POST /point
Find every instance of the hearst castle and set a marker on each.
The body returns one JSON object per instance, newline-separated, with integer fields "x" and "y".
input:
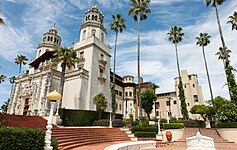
{"x": 90, "y": 76}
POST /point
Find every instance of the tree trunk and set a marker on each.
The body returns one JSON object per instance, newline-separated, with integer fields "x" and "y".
{"x": 62, "y": 80}
{"x": 226, "y": 61}
{"x": 20, "y": 69}
{"x": 115, "y": 44}
{"x": 138, "y": 67}
{"x": 148, "y": 116}
{"x": 208, "y": 77}
{"x": 177, "y": 59}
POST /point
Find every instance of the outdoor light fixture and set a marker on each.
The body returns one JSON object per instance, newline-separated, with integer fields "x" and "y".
{"x": 52, "y": 97}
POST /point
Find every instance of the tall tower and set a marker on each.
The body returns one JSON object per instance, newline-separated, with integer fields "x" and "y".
{"x": 92, "y": 74}
{"x": 51, "y": 41}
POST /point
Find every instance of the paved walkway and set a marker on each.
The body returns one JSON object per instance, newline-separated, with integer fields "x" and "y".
{"x": 98, "y": 146}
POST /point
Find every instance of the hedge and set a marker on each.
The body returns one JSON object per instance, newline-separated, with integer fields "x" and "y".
{"x": 173, "y": 125}
{"x": 105, "y": 122}
{"x": 226, "y": 125}
{"x": 144, "y": 129}
{"x": 21, "y": 139}
{"x": 54, "y": 143}
{"x": 194, "y": 123}
{"x": 145, "y": 134}
{"x": 82, "y": 117}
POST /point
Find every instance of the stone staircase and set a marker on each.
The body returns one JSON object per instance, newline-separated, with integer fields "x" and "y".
{"x": 72, "y": 138}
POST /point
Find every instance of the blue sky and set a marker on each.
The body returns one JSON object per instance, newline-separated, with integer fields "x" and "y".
{"x": 28, "y": 20}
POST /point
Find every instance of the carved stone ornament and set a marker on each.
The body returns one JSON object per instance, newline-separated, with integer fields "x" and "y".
{"x": 200, "y": 142}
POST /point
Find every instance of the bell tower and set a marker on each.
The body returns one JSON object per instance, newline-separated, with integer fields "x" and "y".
{"x": 93, "y": 25}
{"x": 51, "y": 42}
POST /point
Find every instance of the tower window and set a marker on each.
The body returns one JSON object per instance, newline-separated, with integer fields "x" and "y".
{"x": 81, "y": 54}
{"x": 51, "y": 39}
{"x": 93, "y": 32}
{"x": 175, "y": 102}
{"x": 102, "y": 37}
{"x": 167, "y": 103}
{"x": 126, "y": 93}
{"x": 84, "y": 35}
{"x": 92, "y": 17}
{"x": 102, "y": 57}
{"x": 130, "y": 93}
{"x": 195, "y": 97}
{"x": 48, "y": 38}
{"x": 96, "y": 17}
{"x": 194, "y": 85}
{"x": 157, "y": 105}
{"x": 190, "y": 77}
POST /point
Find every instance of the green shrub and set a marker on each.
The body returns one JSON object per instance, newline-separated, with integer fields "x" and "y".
{"x": 144, "y": 129}
{"x": 102, "y": 122}
{"x": 226, "y": 125}
{"x": 117, "y": 123}
{"x": 145, "y": 134}
{"x": 54, "y": 143}
{"x": 136, "y": 122}
{"x": 3, "y": 123}
{"x": 21, "y": 139}
{"x": 175, "y": 120}
{"x": 194, "y": 123}
{"x": 173, "y": 125}
{"x": 105, "y": 122}
{"x": 82, "y": 117}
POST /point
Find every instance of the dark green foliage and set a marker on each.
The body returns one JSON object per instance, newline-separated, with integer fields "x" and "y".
{"x": 4, "y": 106}
{"x": 54, "y": 143}
{"x": 175, "y": 120}
{"x": 194, "y": 123}
{"x": 173, "y": 125}
{"x": 182, "y": 98}
{"x": 102, "y": 122}
{"x": 136, "y": 122}
{"x": 117, "y": 123}
{"x": 145, "y": 134}
{"x": 228, "y": 112}
{"x": 226, "y": 125}
{"x": 82, "y": 117}
{"x": 144, "y": 129}
{"x": 232, "y": 83}
{"x": 148, "y": 98}
{"x": 21, "y": 139}
{"x": 3, "y": 123}
{"x": 113, "y": 96}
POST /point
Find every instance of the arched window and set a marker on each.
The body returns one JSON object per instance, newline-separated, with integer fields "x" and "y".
{"x": 93, "y": 32}
{"x": 84, "y": 35}
{"x": 48, "y": 38}
{"x": 92, "y": 17}
{"x": 96, "y": 17}
{"x": 51, "y": 39}
{"x": 102, "y": 37}
{"x": 39, "y": 52}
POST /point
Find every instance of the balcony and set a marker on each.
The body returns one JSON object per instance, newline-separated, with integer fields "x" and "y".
{"x": 102, "y": 78}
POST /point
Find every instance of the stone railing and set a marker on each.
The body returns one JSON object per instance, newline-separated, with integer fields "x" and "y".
{"x": 132, "y": 145}
{"x": 200, "y": 142}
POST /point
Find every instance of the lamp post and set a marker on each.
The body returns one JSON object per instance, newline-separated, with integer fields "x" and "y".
{"x": 52, "y": 97}
{"x": 158, "y": 124}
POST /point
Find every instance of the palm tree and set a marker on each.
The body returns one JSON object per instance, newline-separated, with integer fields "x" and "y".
{"x": 68, "y": 58}
{"x": 215, "y": 3}
{"x": 233, "y": 21}
{"x": 139, "y": 9}
{"x": 221, "y": 54}
{"x": 19, "y": 60}
{"x": 203, "y": 40}
{"x": 175, "y": 36}
{"x": 2, "y": 78}
{"x": 117, "y": 26}
{"x": 12, "y": 81}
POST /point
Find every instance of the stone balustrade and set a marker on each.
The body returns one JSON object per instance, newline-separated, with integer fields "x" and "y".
{"x": 132, "y": 145}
